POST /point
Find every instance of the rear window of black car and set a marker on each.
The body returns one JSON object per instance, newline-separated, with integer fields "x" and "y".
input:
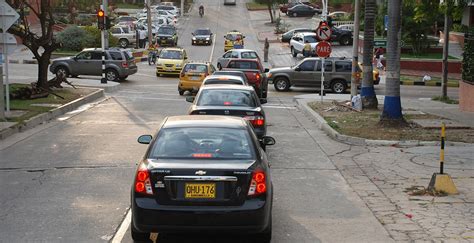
{"x": 243, "y": 65}
{"x": 223, "y": 81}
{"x": 202, "y": 143}
{"x": 226, "y": 97}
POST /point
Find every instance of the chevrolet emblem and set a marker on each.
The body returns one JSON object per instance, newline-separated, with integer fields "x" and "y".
{"x": 200, "y": 172}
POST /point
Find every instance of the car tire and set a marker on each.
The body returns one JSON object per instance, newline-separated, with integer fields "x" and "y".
{"x": 139, "y": 236}
{"x": 338, "y": 86}
{"x": 111, "y": 74}
{"x": 123, "y": 43}
{"x": 345, "y": 40}
{"x": 281, "y": 84}
{"x": 181, "y": 92}
{"x": 219, "y": 66}
{"x": 293, "y": 52}
{"x": 61, "y": 70}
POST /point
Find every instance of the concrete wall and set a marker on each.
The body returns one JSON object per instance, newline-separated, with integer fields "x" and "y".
{"x": 466, "y": 96}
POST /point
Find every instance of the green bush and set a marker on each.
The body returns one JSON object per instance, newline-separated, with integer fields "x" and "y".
{"x": 94, "y": 39}
{"x": 72, "y": 38}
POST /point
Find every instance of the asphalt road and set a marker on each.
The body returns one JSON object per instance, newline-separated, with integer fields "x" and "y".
{"x": 69, "y": 180}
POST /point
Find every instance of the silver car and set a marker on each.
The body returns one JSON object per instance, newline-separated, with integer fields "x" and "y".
{"x": 236, "y": 53}
{"x": 119, "y": 64}
{"x": 224, "y": 79}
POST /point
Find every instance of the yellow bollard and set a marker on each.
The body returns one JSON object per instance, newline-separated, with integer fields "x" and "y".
{"x": 442, "y": 182}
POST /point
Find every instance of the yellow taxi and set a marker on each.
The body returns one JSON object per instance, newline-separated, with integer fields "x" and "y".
{"x": 193, "y": 74}
{"x": 375, "y": 75}
{"x": 171, "y": 61}
{"x": 233, "y": 40}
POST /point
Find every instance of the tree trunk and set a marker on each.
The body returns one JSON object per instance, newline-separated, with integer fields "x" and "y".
{"x": 43, "y": 63}
{"x": 392, "y": 110}
{"x": 269, "y": 4}
{"x": 367, "y": 92}
{"x": 444, "y": 78}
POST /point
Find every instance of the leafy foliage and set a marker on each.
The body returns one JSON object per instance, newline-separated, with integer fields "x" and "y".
{"x": 93, "y": 37}
{"x": 73, "y": 38}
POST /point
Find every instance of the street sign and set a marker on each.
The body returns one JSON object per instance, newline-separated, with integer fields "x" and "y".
{"x": 323, "y": 32}
{"x": 10, "y": 43}
{"x": 323, "y": 49}
{"x": 8, "y": 15}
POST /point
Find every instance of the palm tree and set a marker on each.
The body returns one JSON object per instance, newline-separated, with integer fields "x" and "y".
{"x": 367, "y": 92}
{"x": 392, "y": 109}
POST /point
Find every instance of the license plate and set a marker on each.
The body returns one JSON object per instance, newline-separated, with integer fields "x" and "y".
{"x": 169, "y": 69}
{"x": 200, "y": 190}
{"x": 163, "y": 41}
{"x": 194, "y": 78}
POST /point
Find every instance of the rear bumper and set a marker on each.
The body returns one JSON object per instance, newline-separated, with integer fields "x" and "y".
{"x": 189, "y": 85}
{"x": 252, "y": 217}
{"x": 201, "y": 42}
{"x": 129, "y": 71}
{"x": 165, "y": 71}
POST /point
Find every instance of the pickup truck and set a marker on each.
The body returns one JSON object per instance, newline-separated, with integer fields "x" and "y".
{"x": 254, "y": 71}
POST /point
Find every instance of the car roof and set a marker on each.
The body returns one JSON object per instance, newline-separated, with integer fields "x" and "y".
{"x": 242, "y": 50}
{"x": 244, "y": 59}
{"x": 205, "y": 121}
{"x": 203, "y": 29}
{"x": 198, "y": 62}
{"x": 172, "y": 49}
{"x": 306, "y": 33}
{"x": 224, "y": 77}
{"x": 234, "y": 32}
{"x": 227, "y": 87}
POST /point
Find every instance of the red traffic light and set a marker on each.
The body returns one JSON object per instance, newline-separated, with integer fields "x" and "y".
{"x": 100, "y": 13}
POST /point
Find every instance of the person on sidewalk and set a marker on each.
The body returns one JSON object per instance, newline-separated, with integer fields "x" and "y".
{"x": 378, "y": 58}
{"x": 142, "y": 34}
{"x": 307, "y": 49}
{"x": 265, "y": 50}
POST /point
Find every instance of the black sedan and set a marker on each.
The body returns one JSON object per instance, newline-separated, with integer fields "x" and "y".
{"x": 232, "y": 73}
{"x": 301, "y": 10}
{"x": 286, "y": 37}
{"x": 231, "y": 100}
{"x": 203, "y": 174}
{"x": 202, "y": 36}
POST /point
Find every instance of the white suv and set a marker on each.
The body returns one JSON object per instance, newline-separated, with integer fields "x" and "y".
{"x": 298, "y": 41}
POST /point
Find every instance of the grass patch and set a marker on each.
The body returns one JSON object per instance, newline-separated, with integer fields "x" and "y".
{"x": 130, "y": 5}
{"x": 446, "y": 100}
{"x": 426, "y": 56}
{"x": 366, "y": 124}
{"x": 256, "y": 6}
{"x": 69, "y": 95}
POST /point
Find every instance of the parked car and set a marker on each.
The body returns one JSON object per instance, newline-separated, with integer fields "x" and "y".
{"x": 307, "y": 73}
{"x": 344, "y": 37}
{"x": 284, "y": 7}
{"x": 171, "y": 61}
{"x": 167, "y": 36}
{"x": 232, "y": 100}
{"x": 338, "y": 15}
{"x": 119, "y": 64}
{"x": 202, "y": 36}
{"x": 235, "y": 73}
{"x": 230, "y": 2}
{"x": 224, "y": 79}
{"x": 301, "y": 10}
{"x": 158, "y": 21}
{"x": 126, "y": 19}
{"x": 298, "y": 41}
{"x": 124, "y": 34}
{"x": 286, "y": 37}
{"x": 192, "y": 75}
{"x": 172, "y": 9}
{"x": 348, "y": 27}
{"x": 212, "y": 173}
{"x": 236, "y": 53}
{"x": 254, "y": 71}
{"x": 231, "y": 38}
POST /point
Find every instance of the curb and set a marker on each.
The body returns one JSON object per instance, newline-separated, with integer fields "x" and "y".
{"x": 323, "y": 125}
{"x": 45, "y": 117}
{"x": 421, "y": 83}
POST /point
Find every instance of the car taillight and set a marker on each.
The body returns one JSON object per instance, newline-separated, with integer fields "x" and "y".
{"x": 257, "y": 121}
{"x": 125, "y": 64}
{"x": 258, "y": 184}
{"x": 258, "y": 76}
{"x": 142, "y": 180}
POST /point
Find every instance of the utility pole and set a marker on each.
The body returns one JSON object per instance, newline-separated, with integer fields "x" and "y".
{"x": 444, "y": 78}
{"x": 355, "y": 49}
{"x": 148, "y": 20}
{"x": 182, "y": 8}
{"x": 324, "y": 18}
{"x": 106, "y": 11}
{"x": 2, "y": 93}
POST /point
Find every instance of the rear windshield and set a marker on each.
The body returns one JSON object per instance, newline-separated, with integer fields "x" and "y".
{"x": 249, "y": 54}
{"x": 310, "y": 39}
{"x": 202, "y": 32}
{"x": 128, "y": 55}
{"x": 166, "y": 31}
{"x": 195, "y": 68}
{"x": 233, "y": 37}
{"x": 243, "y": 65}
{"x": 168, "y": 54}
{"x": 230, "y": 73}
{"x": 223, "y": 81}
{"x": 202, "y": 143}
{"x": 223, "y": 97}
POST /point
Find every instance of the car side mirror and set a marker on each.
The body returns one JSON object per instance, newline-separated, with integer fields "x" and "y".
{"x": 74, "y": 58}
{"x": 268, "y": 141}
{"x": 263, "y": 101}
{"x": 266, "y": 70}
{"x": 190, "y": 99}
{"x": 297, "y": 69}
{"x": 145, "y": 139}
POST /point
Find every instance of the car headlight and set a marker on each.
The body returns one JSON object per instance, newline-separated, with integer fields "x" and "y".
{"x": 207, "y": 39}
{"x": 178, "y": 65}
{"x": 194, "y": 38}
{"x": 159, "y": 65}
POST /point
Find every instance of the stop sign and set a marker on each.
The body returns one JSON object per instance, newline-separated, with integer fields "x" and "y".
{"x": 323, "y": 49}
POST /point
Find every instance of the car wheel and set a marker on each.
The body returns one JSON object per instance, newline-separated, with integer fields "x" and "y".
{"x": 338, "y": 86}
{"x": 62, "y": 71}
{"x": 123, "y": 43}
{"x": 219, "y": 66}
{"x": 181, "y": 92}
{"x": 139, "y": 236}
{"x": 111, "y": 75}
{"x": 345, "y": 40}
{"x": 281, "y": 84}
{"x": 293, "y": 52}
{"x": 295, "y": 14}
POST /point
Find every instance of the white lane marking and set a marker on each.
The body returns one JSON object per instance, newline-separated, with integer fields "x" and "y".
{"x": 118, "y": 237}
{"x": 145, "y": 98}
{"x": 146, "y": 75}
{"x": 213, "y": 47}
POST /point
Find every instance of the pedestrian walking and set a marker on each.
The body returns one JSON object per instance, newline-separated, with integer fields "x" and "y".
{"x": 378, "y": 55}
{"x": 307, "y": 49}
{"x": 142, "y": 34}
{"x": 265, "y": 50}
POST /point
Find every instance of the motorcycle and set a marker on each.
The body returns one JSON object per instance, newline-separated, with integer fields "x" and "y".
{"x": 201, "y": 12}
{"x": 151, "y": 57}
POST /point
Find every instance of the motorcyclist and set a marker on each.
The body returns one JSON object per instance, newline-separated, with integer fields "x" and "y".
{"x": 153, "y": 48}
{"x": 201, "y": 10}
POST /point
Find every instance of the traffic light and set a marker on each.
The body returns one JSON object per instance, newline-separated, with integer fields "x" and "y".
{"x": 101, "y": 19}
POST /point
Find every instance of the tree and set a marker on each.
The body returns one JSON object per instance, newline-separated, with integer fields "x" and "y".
{"x": 41, "y": 42}
{"x": 392, "y": 109}
{"x": 269, "y": 4}
{"x": 367, "y": 92}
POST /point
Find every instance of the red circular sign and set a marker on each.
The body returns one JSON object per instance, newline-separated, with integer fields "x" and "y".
{"x": 323, "y": 49}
